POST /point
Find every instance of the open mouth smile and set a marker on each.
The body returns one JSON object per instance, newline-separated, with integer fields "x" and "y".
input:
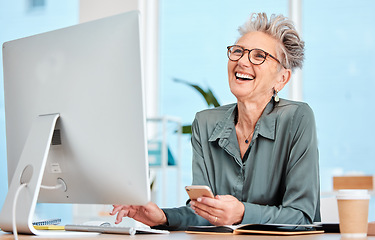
{"x": 244, "y": 77}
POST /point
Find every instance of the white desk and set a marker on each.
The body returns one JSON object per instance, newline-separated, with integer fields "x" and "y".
{"x": 186, "y": 236}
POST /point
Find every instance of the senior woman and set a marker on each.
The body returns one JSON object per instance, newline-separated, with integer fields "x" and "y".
{"x": 259, "y": 156}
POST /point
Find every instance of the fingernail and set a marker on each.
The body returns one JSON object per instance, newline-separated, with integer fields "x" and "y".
{"x": 199, "y": 199}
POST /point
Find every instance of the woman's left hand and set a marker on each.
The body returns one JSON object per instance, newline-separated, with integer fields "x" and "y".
{"x": 221, "y": 210}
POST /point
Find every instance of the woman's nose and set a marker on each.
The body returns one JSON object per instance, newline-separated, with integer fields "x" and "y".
{"x": 244, "y": 60}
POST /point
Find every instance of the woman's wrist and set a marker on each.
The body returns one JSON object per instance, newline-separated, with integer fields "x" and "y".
{"x": 241, "y": 208}
{"x": 163, "y": 220}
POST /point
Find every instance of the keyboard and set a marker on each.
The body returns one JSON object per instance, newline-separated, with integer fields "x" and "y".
{"x": 113, "y": 229}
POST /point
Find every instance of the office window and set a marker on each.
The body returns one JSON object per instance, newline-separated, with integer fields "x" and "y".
{"x": 338, "y": 83}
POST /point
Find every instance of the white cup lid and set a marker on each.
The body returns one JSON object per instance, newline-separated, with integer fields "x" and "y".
{"x": 353, "y": 194}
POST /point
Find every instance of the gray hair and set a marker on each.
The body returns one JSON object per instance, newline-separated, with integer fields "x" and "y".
{"x": 281, "y": 29}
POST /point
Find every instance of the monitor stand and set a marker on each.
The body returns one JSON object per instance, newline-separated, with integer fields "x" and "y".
{"x": 30, "y": 170}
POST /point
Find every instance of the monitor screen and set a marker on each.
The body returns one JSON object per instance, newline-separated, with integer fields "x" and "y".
{"x": 90, "y": 75}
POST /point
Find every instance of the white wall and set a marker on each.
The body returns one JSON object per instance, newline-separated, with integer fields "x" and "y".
{"x": 94, "y": 9}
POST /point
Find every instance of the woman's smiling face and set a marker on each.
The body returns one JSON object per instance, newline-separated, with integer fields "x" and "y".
{"x": 255, "y": 82}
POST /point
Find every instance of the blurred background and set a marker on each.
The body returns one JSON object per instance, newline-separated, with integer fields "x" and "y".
{"x": 187, "y": 40}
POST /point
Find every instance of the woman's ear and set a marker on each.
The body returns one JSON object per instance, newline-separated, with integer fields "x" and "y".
{"x": 284, "y": 79}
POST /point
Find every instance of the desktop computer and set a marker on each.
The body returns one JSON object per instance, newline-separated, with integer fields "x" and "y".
{"x": 75, "y": 119}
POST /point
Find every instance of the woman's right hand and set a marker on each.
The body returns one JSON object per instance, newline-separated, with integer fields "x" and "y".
{"x": 149, "y": 214}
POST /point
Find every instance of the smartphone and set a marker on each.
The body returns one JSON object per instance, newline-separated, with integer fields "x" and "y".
{"x": 196, "y": 191}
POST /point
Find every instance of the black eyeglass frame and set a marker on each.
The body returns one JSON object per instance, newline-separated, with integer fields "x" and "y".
{"x": 248, "y": 55}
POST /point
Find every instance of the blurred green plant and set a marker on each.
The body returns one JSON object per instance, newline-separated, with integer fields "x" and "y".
{"x": 208, "y": 95}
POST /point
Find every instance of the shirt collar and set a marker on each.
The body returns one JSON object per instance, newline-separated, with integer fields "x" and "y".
{"x": 265, "y": 126}
{"x": 225, "y": 126}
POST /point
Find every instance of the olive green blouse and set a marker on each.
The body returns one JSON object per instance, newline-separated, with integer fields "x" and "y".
{"x": 278, "y": 178}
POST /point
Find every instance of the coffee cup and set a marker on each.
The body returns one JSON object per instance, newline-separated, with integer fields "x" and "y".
{"x": 353, "y": 205}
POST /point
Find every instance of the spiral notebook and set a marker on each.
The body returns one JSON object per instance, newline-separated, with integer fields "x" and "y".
{"x": 54, "y": 221}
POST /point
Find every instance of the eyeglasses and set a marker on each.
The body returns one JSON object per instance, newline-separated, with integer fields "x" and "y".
{"x": 256, "y": 56}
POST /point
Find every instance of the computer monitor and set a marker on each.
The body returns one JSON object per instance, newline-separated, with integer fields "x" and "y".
{"x": 75, "y": 115}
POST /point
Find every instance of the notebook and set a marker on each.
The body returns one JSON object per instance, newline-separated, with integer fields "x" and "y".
{"x": 267, "y": 229}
